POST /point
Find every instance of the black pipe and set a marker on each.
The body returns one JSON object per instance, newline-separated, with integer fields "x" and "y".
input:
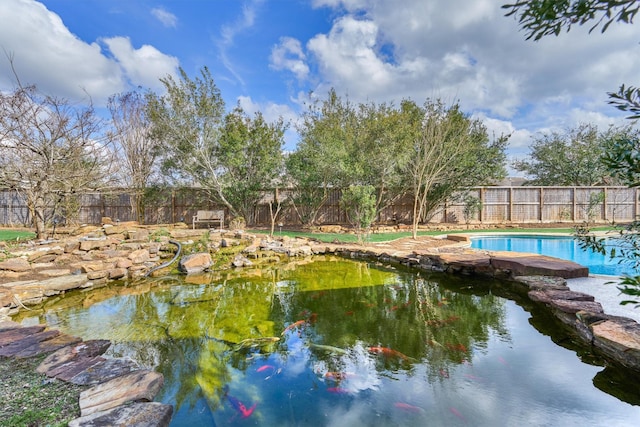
{"x": 167, "y": 264}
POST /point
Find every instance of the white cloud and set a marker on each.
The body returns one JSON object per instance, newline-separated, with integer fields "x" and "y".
{"x": 167, "y": 18}
{"x": 47, "y": 54}
{"x": 348, "y": 60}
{"x": 143, "y": 66}
{"x": 288, "y": 55}
{"x": 469, "y": 51}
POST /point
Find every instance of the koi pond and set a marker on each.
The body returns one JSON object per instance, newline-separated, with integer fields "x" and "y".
{"x": 335, "y": 342}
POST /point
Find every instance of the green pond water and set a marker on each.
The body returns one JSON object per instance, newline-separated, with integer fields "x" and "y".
{"x": 336, "y": 342}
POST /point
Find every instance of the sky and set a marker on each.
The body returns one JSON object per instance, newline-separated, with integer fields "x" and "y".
{"x": 274, "y": 55}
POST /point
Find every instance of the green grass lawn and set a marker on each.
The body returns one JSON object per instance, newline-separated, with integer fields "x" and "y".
{"x": 386, "y": 237}
{"x": 9, "y": 234}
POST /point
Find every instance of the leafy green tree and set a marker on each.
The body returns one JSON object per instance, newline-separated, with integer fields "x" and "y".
{"x": 540, "y": 18}
{"x": 450, "y": 152}
{"x": 188, "y": 121}
{"x": 572, "y": 158}
{"x": 319, "y": 161}
{"x": 359, "y": 201}
{"x": 381, "y": 152}
{"x": 343, "y": 144}
{"x": 472, "y": 205}
{"x": 251, "y": 154}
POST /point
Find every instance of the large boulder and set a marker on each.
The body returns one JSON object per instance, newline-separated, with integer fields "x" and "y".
{"x": 195, "y": 263}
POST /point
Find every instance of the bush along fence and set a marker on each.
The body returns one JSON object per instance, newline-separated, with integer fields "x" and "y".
{"x": 482, "y": 205}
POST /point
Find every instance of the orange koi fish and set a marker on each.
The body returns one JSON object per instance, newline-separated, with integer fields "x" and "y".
{"x": 407, "y": 407}
{"x": 388, "y": 352}
{"x": 265, "y": 367}
{"x": 294, "y": 325}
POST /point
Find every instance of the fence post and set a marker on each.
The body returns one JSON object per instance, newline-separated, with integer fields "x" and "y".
{"x": 541, "y": 215}
{"x": 574, "y": 206}
{"x": 604, "y": 204}
{"x": 173, "y": 206}
{"x": 510, "y": 213}
{"x": 481, "y": 213}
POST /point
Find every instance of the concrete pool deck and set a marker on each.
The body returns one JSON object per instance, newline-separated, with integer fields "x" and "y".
{"x": 607, "y": 295}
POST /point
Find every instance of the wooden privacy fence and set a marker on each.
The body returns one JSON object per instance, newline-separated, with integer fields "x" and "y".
{"x": 518, "y": 205}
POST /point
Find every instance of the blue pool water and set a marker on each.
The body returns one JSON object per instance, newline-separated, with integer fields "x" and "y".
{"x": 558, "y": 247}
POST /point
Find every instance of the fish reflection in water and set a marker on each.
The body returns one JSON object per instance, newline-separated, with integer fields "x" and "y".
{"x": 236, "y": 404}
{"x": 388, "y": 352}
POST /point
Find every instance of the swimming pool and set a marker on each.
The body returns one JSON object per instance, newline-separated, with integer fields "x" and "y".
{"x": 563, "y": 247}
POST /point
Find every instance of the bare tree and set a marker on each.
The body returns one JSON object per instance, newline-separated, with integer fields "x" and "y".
{"x": 450, "y": 152}
{"x": 136, "y": 150}
{"x": 50, "y": 150}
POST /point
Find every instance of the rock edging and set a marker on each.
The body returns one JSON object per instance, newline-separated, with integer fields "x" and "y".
{"x": 544, "y": 279}
{"x": 121, "y": 391}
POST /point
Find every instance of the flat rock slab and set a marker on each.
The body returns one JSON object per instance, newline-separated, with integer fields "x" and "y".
{"x": 10, "y": 335}
{"x": 572, "y": 307}
{"x": 548, "y": 295}
{"x": 72, "y": 353}
{"x": 620, "y": 340}
{"x": 543, "y": 282}
{"x": 15, "y": 264}
{"x": 524, "y": 264}
{"x": 143, "y": 414}
{"x": 476, "y": 260}
{"x": 55, "y": 272}
{"x": 69, "y": 370}
{"x": 63, "y": 283}
{"x": 132, "y": 387}
{"x": 48, "y": 346}
{"x": 26, "y": 342}
{"x": 104, "y": 370}
{"x": 9, "y": 324}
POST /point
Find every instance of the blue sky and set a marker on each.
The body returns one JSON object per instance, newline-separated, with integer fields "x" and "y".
{"x": 269, "y": 55}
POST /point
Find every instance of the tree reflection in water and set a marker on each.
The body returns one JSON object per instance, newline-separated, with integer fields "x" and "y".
{"x": 309, "y": 340}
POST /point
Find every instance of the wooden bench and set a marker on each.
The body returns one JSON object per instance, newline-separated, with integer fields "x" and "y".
{"x": 209, "y": 216}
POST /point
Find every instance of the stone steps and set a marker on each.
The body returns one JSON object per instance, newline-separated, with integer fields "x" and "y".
{"x": 121, "y": 393}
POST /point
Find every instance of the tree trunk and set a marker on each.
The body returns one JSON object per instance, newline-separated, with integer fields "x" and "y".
{"x": 416, "y": 218}
{"x": 37, "y": 216}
